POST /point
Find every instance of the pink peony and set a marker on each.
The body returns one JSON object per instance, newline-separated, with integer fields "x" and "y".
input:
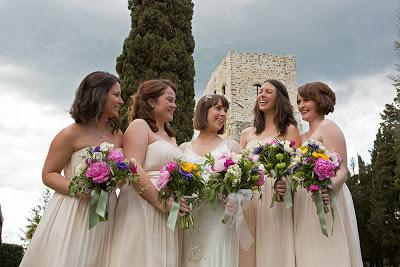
{"x": 99, "y": 172}
{"x": 292, "y": 143}
{"x": 260, "y": 180}
{"x": 313, "y": 188}
{"x": 116, "y": 156}
{"x": 171, "y": 166}
{"x": 164, "y": 177}
{"x": 324, "y": 169}
{"x": 219, "y": 165}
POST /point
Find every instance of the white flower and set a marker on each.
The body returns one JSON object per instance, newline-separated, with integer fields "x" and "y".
{"x": 132, "y": 160}
{"x": 97, "y": 155}
{"x": 261, "y": 167}
{"x": 287, "y": 147}
{"x": 106, "y": 146}
{"x": 81, "y": 167}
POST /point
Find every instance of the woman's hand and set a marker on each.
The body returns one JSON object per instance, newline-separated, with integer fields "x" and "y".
{"x": 183, "y": 206}
{"x": 325, "y": 196}
{"x": 232, "y": 206}
{"x": 280, "y": 187}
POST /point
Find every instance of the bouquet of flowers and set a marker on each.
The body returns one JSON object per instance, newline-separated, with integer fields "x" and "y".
{"x": 180, "y": 179}
{"x": 314, "y": 167}
{"x": 233, "y": 176}
{"x": 102, "y": 170}
{"x": 276, "y": 156}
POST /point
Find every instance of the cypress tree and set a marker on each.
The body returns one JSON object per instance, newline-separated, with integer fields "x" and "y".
{"x": 160, "y": 45}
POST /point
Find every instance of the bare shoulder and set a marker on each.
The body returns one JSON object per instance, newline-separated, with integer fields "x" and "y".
{"x": 139, "y": 123}
{"x": 69, "y": 134}
{"x": 328, "y": 126}
{"x": 292, "y": 129}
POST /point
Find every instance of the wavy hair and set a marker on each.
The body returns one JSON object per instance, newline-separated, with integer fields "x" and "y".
{"x": 90, "y": 98}
{"x": 141, "y": 109}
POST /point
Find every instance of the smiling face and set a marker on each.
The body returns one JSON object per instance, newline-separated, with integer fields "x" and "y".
{"x": 113, "y": 101}
{"x": 307, "y": 108}
{"x": 216, "y": 117}
{"x": 164, "y": 106}
{"x": 266, "y": 98}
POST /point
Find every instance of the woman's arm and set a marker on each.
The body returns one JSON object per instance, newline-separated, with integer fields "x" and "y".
{"x": 60, "y": 152}
{"x": 293, "y": 135}
{"x": 135, "y": 143}
{"x": 333, "y": 139}
{"x": 243, "y": 138}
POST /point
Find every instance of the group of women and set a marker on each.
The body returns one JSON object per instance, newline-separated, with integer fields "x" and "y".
{"x": 136, "y": 233}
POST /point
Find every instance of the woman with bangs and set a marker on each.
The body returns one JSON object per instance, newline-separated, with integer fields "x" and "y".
{"x": 342, "y": 247}
{"x": 140, "y": 233}
{"x": 272, "y": 228}
{"x": 210, "y": 243}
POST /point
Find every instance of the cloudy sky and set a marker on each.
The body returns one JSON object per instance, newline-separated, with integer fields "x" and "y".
{"x": 48, "y": 46}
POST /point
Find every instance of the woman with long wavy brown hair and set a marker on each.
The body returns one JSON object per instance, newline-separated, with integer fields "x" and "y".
{"x": 140, "y": 235}
{"x": 272, "y": 228}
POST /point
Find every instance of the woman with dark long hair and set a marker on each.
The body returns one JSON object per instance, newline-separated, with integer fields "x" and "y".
{"x": 272, "y": 228}
{"x": 62, "y": 237}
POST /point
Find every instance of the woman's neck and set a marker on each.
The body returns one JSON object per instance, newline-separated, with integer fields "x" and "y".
{"x": 207, "y": 135}
{"x": 313, "y": 125}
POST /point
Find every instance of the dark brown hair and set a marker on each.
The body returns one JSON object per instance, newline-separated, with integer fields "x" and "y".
{"x": 323, "y": 96}
{"x": 90, "y": 98}
{"x": 202, "y": 107}
{"x": 141, "y": 109}
{"x": 283, "y": 116}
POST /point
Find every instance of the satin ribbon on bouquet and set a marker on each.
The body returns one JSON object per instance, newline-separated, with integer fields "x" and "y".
{"x": 242, "y": 231}
{"x": 323, "y": 209}
{"x": 98, "y": 206}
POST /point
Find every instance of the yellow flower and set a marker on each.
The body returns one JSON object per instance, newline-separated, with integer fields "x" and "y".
{"x": 324, "y": 156}
{"x": 315, "y": 155}
{"x": 189, "y": 167}
{"x": 303, "y": 149}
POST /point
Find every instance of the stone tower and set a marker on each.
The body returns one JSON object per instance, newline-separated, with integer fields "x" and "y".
{"x": 237, "y": 77}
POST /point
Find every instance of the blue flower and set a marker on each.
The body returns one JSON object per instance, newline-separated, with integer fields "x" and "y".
{"x": 122, "y": 166}
{"x": 97, "y": 149}
{"x": 257, "y": 150}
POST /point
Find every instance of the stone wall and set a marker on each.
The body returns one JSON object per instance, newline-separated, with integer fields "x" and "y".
{"x": 235, "y": 77}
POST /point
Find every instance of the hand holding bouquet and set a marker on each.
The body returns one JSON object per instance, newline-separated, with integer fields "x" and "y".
{"x": 235, "y": 178}
{"x": 180, "y": 179}
{"x": 314, "y": 167}
{"x": 102, "y": 170}
{"x": 276, "y": 157}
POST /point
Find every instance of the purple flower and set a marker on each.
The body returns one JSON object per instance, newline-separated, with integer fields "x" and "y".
{"x": 116, "y": 156}
{"x": 122, "y": 166}
{"x": 187, "y": 176}
{"x": 292, "y": 143}
{"x": 97, "y": 149}
{"x": 313, "y": 188}
{"x": 99, "y": 172}
{"x": 314, "y": 146}
{"x": 257, "y": 150}
{"x": 324, "y": 169}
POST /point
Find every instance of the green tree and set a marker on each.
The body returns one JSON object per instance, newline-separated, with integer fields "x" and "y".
{"x": 36, "y": 215}
{"x": 160, "y": 45}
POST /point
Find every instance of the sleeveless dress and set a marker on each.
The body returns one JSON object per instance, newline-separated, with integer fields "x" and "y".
{"x": 272, "y": 228}
{"x": 140, "y": 234}
{"x": 63, "y": 238}
{"x": 313, "y": 249}
{"x": 210, "y": 243}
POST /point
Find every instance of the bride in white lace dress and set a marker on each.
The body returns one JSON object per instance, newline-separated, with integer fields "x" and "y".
{"x": 209, "y": 243}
